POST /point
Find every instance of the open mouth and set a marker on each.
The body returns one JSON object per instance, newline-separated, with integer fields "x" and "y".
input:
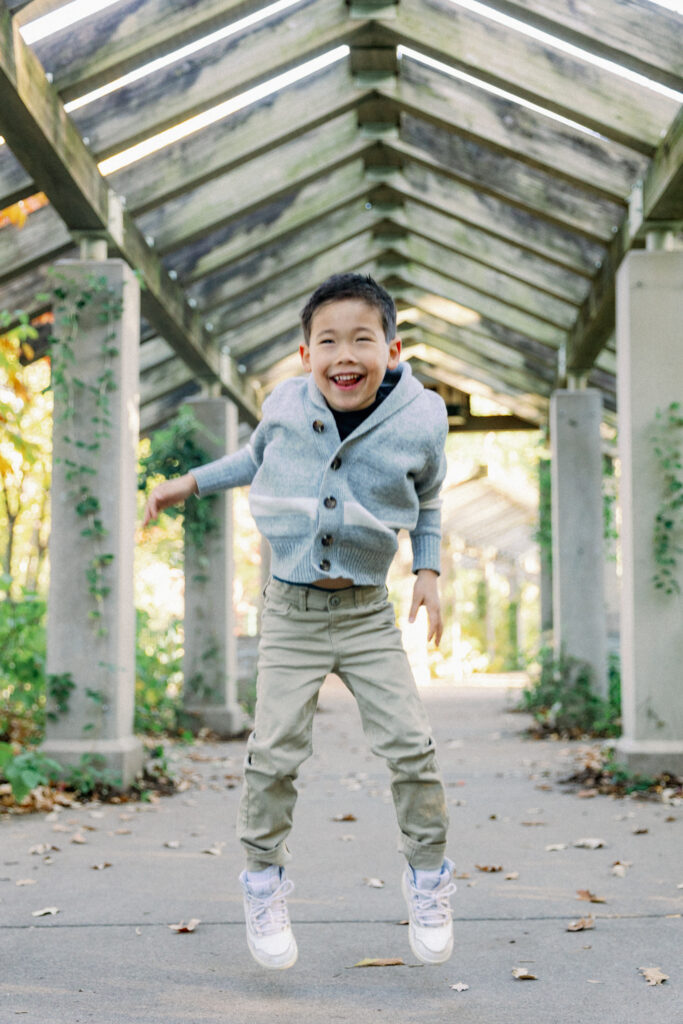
{"x": 347, "y": 380}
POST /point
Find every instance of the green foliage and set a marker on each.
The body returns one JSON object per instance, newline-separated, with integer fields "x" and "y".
{"x": 26, "y": 770}
{"x": 22, "y": 665}
{"x": 174, "y": 451}
{"x": 563, "y": 702}
{"x": 91, "y": 776}
{"x": 158, "y": 705}
{"x": 668, "y": 528}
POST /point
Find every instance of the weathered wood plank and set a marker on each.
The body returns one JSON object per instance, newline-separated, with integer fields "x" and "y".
{"x": 35, "y": 125}
{"x": 255, "y": 183}
{"x": 543, "y": 274}
{"x": 437, "y": 286}
{"x": 663, "y": 182}
{"x": 633, "y": 33}
{"x": 492, "y": 282}
{"x": 258, "y": 130}
{"x": 604, "y": 102}
{"x": 173, "y": 94}
{"x": 607, "y": 168}
{"x": 158, "y": 412}
{"x": 280, "y": 219}
{"x": 566, "y": 248}
{"x": 297, "y": 283}
{"x": 260, "y": 268}
{"x": 548, "y": 195}
{"x": 126, "y": 36}
{"x": 43, "y": 237}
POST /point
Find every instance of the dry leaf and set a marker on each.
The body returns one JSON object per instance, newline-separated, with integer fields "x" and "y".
{"x": 589, "y": 844}
{"x": 488, "y": 867}
{"x": 121, "y": 832}
{"x": 78, "y": 839}
{"x": 60, "y": 828}
{"x": 640, "y": 831}
{"x": 26, "y": 881}
{"x": 45, "y": 912}
{"x": 182, "y": 928}
{"x": 511, "y": 876}
{"x": 590, "y": 897}
{"x": 374, "y": 883}
{"x": 653, "y": 975}
{"x": 620, "y": 867}
{"x": 102, "y": 866}
{"x": 345, "y": 817}
{"x": 172, "y": 844}
{"x": 581, "y": 925}
{"x": 347, "y": 838}
{"x": 381, "y": 962}
{"x": 530, "y": 823}
{"x": 216, "y": 850}
{"x": 586, "y": 794}
{"x": 555, "y": 846}
{"x": 522, "y": 974}
{"x": 460, "y": 986}
{"x": 42, "y": 848}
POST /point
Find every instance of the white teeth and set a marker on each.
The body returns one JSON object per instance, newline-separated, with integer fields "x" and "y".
{"x": 345, "y": 378}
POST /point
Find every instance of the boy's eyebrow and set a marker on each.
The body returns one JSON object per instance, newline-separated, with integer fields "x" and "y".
{"x": 331, "y": 330}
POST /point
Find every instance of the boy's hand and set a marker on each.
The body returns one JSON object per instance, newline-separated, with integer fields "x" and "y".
{"x": 426, "y": 592}
{"x": 170, "y": 492}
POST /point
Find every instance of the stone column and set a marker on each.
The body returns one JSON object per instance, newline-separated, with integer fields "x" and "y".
{"x": 577, "y": 524}
{"x": 649, "y": 378}
{"x": 210, "y": 665}
{"x": 91, "y": 613}
{"x": 545, "y": 545}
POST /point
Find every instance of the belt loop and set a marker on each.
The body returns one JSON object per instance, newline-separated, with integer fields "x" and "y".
{"x": 303, "y": 599}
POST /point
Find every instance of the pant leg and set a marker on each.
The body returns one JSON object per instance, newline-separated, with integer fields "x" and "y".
{"x": 375, "y": 668}
{"x": 294, "y": 658}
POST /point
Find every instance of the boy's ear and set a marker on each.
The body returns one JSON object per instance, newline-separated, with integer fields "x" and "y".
{"x": 394, "y": 353}
{"x": 305, "y": 354}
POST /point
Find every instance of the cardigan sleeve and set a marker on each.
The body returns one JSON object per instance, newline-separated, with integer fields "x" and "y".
{"x": 426, "y": 536}
{"x": 233, "y": 470}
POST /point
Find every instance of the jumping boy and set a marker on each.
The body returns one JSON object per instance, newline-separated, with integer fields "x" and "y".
{"x": 341, "y": 460}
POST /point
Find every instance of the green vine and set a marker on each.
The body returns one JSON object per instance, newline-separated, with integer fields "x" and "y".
{"x": 174, "y": 451}
{"x": 668, "y": 527}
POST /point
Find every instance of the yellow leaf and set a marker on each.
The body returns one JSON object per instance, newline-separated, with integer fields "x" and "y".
{"x": 653, "y": 975}
{"x": 381, "y": 962}
{"x": 581, "y": 925}
{"x": 522, "y": 974}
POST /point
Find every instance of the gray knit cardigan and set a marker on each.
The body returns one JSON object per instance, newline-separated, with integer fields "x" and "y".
{"x": 333, "y": 508}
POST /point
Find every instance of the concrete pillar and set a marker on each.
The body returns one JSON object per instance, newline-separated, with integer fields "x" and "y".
{"x": 91, "y": 613}
{"x": 578, "y": 555}
{"x": 210, "y": 665}
{"x": 649, "y": 378}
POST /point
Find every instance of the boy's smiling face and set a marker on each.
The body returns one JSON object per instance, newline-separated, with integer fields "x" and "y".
{"x": 348, "y": 354}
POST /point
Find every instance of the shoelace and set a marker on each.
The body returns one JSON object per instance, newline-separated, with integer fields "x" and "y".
{"x": 268, "y": 913}
{"x": 431, "y": 906}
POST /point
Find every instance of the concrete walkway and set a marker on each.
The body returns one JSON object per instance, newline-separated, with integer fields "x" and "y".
{"x": 109, "y": 954}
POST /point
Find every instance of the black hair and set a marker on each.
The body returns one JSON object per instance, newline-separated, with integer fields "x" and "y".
{"x": 352, "y": 286}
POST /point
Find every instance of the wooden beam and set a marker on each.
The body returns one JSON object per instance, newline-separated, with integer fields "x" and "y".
{"x": 256, "y": 183}
{"x": 658, "y": 198}
{"x": 175, "y": 93}
{"x": 604, "y": 167}
{"x": 616, "y": 108}
{"x": 35, "y": 125}
{"x": 544, "y": 193}
{"x": 635, "y": 35}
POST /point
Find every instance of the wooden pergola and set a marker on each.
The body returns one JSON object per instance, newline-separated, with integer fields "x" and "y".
{"x": 424, "y": 153}
{"x": 511, "y": 171}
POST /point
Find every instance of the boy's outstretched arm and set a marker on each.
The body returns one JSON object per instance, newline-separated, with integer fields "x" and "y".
{"x": 170, "y": 492}
{"x": 426, "y": 592}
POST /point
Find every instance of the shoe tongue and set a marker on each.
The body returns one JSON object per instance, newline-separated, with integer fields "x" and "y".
{"x": 427, "y": 879}
{"x": 262, "y": 882}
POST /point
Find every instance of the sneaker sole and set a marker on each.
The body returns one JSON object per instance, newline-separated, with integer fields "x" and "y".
{"x": 286, "y": 960}
{"x": 426, "y": 956}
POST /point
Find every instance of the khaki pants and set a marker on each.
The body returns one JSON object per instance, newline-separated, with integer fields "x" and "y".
{"x": 305, "y": 634}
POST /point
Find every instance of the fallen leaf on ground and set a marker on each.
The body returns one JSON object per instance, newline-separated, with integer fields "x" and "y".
{"x": 460, "y": 986}
{"x": 26, "y": 881}
{"x": 42, "y": 848}
{"x": 581, "y": 925}
{"x": 78, "y": 839}
{"x": 101, "y": 867}
{"x": 347, "y": 838}
{"x": 589, "y": 844}
{"x": 511, "y": 876}
{"x": 593, "y": 981}
{"x": 345, "y": 817}
{"x": 374, "y": 883}
{"x": 590, "y": 897}
{"x": 60, "y": 828}
{"x": 381, "y": 962}
{"x": 488, "y": 867}
{"x": 522, "y": 974}
{"x": 552, "y": 847}
{"x": 216, "y": 850}
{"x": 530, "y": 823}
{"x": 172, "y": 844}
{"x": 183, "y": 928}
{"x": 620, "y": 868}
{"x": 121, "y": 832}
{"x": 653, "y": 975}
{"x": 45, "y": 912}
{"x": 640, "y": 831}
{"x": 586, "y": 794}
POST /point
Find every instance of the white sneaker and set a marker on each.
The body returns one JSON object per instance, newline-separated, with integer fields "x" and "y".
{"x": 269, "y": 933}
{"x": 431, "y": 922}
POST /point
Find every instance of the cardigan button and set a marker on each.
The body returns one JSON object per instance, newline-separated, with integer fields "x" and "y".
{"x": 325, "y": 565}
{"x": 336, "y": 463}
{"x": 326, "y": 540}
{"x": 318, "y": 426}
{"x": 330, "y": 502}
